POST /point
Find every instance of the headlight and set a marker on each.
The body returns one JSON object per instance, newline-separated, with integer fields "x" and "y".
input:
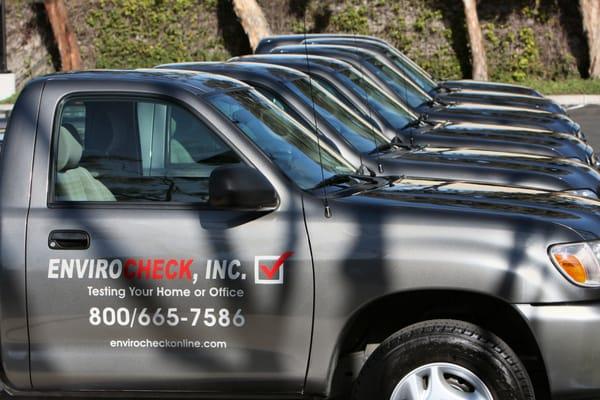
{"x": 590, "y": 194}
{"x": 579, "y": 262}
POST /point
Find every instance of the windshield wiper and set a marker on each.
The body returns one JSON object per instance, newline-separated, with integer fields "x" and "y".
{"x": 420, "y": 121}
{"x": 384, "y": 147}
{"x": 415, "y": 123}
{"x": 425, "y": 119}
{"x": 342, "y": 178}
{"x": 393, "y": 179}
{"x": 395, "y": 143}
{"x": 445, "y": 89}
{"x": 438, "y": 102}
{"x": 334, "y": 180}
{"x": 366, "y": 171}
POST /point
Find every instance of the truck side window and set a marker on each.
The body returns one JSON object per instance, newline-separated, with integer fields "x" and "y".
{"x": 134, "y": 150}
{"x": 332, "y": 90}
{"x": 282, "y": 105}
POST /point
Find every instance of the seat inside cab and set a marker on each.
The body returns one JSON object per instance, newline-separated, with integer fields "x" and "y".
{"x": 74, "y": 182}
{"x": 141, "y": 150}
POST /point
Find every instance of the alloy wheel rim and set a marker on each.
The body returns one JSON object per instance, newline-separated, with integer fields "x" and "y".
{"x": 441, "y": 381}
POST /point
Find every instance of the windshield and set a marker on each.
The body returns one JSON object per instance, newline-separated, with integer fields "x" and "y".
{"x": 358, "y": 132}
{"x": 393, "y": 111}
{"x": 406, "y": 90}
{"x": 418, "y": 76}
{"x": 287, "y": 143}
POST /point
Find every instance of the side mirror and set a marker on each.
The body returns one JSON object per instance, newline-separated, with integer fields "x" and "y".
{"x": 240, "y": 187}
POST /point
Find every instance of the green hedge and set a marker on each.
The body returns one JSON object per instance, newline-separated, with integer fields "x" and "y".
{"x": 525, "y": 39}
{"x": 143, "y": 33}
{"x": 565, "y": 86}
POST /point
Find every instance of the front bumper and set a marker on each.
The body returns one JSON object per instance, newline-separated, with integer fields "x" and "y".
{"x": 569, "y": 339}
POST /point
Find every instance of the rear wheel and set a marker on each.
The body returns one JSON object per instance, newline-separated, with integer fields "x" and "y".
{"x": 443, "y": 359}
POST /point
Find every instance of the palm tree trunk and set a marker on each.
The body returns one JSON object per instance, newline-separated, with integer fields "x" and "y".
{"x": 253, "y": 20}
{"x": 590, "y": 11}
{"x": 64, "y": 35}
{"x": 478, "y": 59}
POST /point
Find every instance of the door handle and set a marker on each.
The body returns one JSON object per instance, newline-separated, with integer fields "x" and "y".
{"x": 68, "y": 240}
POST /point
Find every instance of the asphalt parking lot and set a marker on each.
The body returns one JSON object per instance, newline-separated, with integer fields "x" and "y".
{"x": 588, "y": 117}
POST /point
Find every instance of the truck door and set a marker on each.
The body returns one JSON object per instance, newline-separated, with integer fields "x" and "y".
{"x": 135, "y": 282}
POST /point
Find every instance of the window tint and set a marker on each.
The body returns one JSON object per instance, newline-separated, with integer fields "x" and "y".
{"x": 364, "y": 137}
{"x": 417, "y": 75}
{"x": 386, "y": 106}
{"x": 273, "y": 98}
{"x": 121, "y": 150}
{"x": 336, "y": 93}
{"x": 73, "y": 119}
{"x": 406, "y": 90}
{"x": 293, "y": 148}
{"x": 278, "y": 101}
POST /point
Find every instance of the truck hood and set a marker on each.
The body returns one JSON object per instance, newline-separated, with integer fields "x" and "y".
{"x": 514, "y": 169}
{"x": 501, "y": 115}
{"x": 504, "y": 138}
{"x": 508, "y": 132}
{"x": 501, "y": 99}
{"x": 469, "y": 201}
{"x": 469, "y": 84}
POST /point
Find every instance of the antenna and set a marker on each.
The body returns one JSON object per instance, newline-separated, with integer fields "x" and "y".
{"x": 328, "y": 213}
{"x": 406, "y": 93}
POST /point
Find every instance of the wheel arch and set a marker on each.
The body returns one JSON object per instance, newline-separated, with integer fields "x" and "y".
{"x": 372, "y": 324}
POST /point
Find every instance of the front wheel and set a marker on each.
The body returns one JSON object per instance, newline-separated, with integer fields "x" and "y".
{"x": 443, "y": 359}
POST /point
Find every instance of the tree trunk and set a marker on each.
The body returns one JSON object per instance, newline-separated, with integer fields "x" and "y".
{"x": 65, "y": 38}
{"x": 590, "y": 11}
{"x": 478, "y": 60}
{"x": 253, "y": 20}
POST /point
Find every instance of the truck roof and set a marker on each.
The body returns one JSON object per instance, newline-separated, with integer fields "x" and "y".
{"x": 268, "y": 43}
{"x": 254, "y": 69}
{"x": 331, "y": 50}
{"x": 297, "y": 60}
{"x": 200, "y": 83}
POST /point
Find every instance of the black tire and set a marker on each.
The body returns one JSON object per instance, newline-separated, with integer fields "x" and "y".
{"x": 444, "y": 341}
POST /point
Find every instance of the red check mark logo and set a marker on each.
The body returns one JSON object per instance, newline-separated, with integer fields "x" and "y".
{"x": 270, "y": 272}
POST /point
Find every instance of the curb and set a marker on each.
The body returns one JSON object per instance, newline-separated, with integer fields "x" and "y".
{"x": 579, "y": 99}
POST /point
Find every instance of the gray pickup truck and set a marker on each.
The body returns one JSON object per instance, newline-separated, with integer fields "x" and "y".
{"x": 362, "y": 144}
{"x": 481, "y": 93}
{"x": 417, "y": 74}
{"x": 174, "y": 233}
